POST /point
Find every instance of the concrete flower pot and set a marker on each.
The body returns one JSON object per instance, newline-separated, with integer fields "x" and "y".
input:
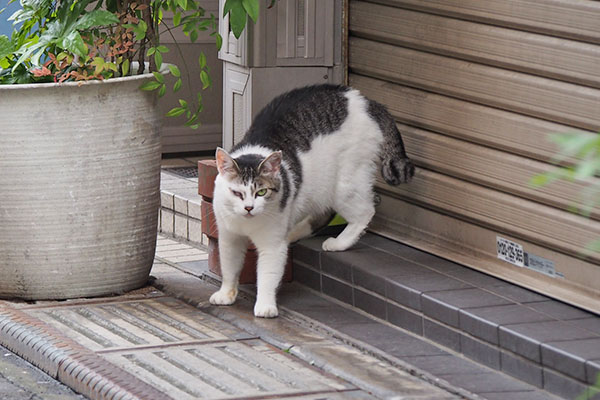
{"x": 79, "y": 188}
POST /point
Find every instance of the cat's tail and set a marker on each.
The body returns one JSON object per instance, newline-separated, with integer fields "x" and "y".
{"x": 396, "y": 167}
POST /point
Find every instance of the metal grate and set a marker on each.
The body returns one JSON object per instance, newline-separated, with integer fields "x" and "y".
{"x": 185, "y": 172}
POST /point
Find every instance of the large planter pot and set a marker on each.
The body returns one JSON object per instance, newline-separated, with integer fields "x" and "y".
{"x": 79, "y": 188}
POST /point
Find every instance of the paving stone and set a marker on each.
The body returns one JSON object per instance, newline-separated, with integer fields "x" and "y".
{"x": 316, "y": 307}
{"x": 333, "y": 266}
{"x": 480, "y": 351}
{"x": 525, "y": 339}
{"x": 308, "y": 252}
{"x": 445, "y": 364}
{"x": 369, "y": 280}
{"x": 231, "y": 369}
{"x": 370, "y": 259}
{"x": 488, "y": 382}
{"x": 181, "y": 226}
{"x": 196, "y": 268}
{"x": 147, "y": 322}
{"x": 569, "y": 357}
{"x": 475, "y": 278}
{"x": 404, "y": 318}
{"x": 336, "y": 289}
{"x": 167, "y": 200}
{"x": 181, "y": 204}
{"x": 592, "y": 368}
{"x": 529, "y": 395}
{"x": 521, "y": 368}
{"x": 370, "y": 303}
{"x": 441, "y": 334}
{"x": 195, "y": 231}
{"x": 483, "y": 322}
{"x": 307, "y": 276}
{"x": 402, "y": 294}
{"x": 195, "y": 209}
{"x": 408, "y": 253}
{"x": 516, "y": 293}
{"x": 408, "y": 290}
{"x": 391, "y": 341}
{"x": 445, "y": 305}
{"x": 560, "y": 310}
{"x": 167, "y": 221}
{"x": 562, "y": 386}
{"x": 590, "y": 324}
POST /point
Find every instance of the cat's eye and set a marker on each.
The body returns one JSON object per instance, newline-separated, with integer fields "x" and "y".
{"x": 261, "y": 192}
{"x": 237, "y": 194}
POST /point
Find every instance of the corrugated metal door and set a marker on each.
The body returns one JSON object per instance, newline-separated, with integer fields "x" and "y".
{"x": 477, "y": 87}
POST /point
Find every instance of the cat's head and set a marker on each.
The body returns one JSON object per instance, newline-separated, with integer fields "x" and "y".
{"x": 249, "y": 184}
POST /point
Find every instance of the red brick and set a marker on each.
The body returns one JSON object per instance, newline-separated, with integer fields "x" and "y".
{"x": 248, "y": 274}
{"x": 208, "y": 222}
{"x": 207, "y": 172}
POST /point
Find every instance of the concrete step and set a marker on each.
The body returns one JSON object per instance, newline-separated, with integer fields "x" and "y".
{"x": 542, "y": 342}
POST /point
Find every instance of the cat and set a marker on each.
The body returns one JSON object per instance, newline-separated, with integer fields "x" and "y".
{"x": 309, "y": 152}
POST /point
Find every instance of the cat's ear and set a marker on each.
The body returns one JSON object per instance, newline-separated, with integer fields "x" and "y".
{"x": 271, "y": 165}
{"x": 225, "y": 164}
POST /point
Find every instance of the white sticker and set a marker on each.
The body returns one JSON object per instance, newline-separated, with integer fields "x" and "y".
{"x": 510, "y": 251}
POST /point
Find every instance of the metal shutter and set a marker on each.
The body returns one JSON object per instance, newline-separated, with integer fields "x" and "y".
{"x": 476, "y": 88}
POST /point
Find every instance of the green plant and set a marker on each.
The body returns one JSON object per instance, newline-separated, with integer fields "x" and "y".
{"x": 586, "y": 149}
{"x": 591, "y": 391}
{"x": 75, "y": 40}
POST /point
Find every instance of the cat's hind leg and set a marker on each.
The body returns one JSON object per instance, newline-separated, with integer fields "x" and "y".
{"x": 232, "y": 249}
{"x": 301, "y": 230}
{"x": 309, "y": 225}
{"x": 355, "y": 205}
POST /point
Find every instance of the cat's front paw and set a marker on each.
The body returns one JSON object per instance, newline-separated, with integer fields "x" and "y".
{"x": 223, "y": 297}
{"x": 335, "y": 244}
{"x": 265, "y": 310}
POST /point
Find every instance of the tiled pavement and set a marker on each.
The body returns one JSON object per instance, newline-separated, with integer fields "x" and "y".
{"x": 542, "y": 342}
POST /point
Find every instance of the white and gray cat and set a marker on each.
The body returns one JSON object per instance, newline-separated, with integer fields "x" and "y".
{"x": 309, "y": 152}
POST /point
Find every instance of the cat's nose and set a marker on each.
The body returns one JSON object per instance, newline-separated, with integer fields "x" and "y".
{"x": 249, "y": 208}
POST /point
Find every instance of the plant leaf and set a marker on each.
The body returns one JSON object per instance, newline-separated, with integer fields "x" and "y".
{"x": 177, "y": 19}
{"x": 74, "y": 43}
{"x": 159, "y": 77}
{"x": 96, "y": 18}
{"x": 162, "y": 91}
{"x": 237, "y": 20}
{"x": 125, "y": 67}
{"x": 202, "y": 60}
{"x": 177, "y": 85}
{"x": 252, "y": 8}
{"x": 218, "y": 40}
{"x": 194, "y": 36}
{"x": 174, "y": 70}
{"x": 205, "y": 78}
{"x": 158, "y": 59}
{"x": 229, "y": 4}
{"x": 175, "y": 112}
{"x": 6, "y": 47}
{"x": 150, "y": 85}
